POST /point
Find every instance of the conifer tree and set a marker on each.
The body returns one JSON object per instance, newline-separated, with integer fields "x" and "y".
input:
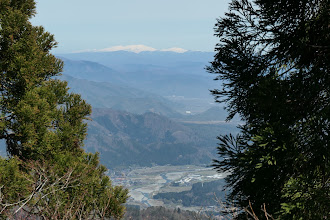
{"x": 274, "y": 60}
{"x": 44, "y": 126}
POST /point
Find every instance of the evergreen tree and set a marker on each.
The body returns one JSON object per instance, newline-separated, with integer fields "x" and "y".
{"x": 274, "y": 60}
{"x": 43, "y": 127}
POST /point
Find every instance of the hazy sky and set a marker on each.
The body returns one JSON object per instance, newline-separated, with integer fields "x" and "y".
{"x": 85, "y": 24}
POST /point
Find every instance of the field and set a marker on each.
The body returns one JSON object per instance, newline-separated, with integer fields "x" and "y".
{"x": 144, "y": 183}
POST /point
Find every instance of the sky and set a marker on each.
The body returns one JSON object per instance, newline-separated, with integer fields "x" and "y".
{"x": 80, "y": 25}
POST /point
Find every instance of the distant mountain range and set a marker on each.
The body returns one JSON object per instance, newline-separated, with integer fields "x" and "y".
{"x": 134, "y": 95}
{"x": 159, "y": 72}
{"x": 120, "y": 97}
{"x": 126, "y": 59}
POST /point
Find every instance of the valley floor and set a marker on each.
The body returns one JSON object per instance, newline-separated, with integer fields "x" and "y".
{"x": 145, "y": 182}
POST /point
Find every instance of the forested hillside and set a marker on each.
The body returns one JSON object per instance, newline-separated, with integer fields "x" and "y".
{"x": 126, "y": 139}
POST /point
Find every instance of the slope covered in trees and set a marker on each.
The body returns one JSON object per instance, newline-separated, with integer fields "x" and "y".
{"x": 273, "y": 60}
{"x": 47, "y": 174}
{"x": 126, "y": 139}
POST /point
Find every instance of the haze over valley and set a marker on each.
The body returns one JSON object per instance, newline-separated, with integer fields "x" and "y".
{"x": 151, "y": 109}
{"x": 151, "y": 103}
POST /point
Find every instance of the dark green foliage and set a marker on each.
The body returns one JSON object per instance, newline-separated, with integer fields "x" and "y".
{"x": 13, "y": 182}
{"x": 274, "y": 60}
{"x": 66, "y": 187}
{"x": 29, "y": 97}
{"x": 47, "y": 174}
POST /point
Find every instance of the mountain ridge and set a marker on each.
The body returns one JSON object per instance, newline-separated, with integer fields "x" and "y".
{"x": 120, "y": 97}
{"x": 125, "y": 139}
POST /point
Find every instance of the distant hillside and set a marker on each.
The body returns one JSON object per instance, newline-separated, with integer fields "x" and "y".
{"x": 3, "y": 148}
{"x": 126, "y": 139}
{"x": 163, "y": 73}
{"x": 118, "y": 59}
{"x": 108, "y": 95}
{"x": 91, "y": 71}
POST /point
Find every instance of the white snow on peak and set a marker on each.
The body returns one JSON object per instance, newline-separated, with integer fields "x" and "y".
{"x": 175, "y": 49}
{"x": 132, "y": 48}
{"x": 136, "y": 49}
